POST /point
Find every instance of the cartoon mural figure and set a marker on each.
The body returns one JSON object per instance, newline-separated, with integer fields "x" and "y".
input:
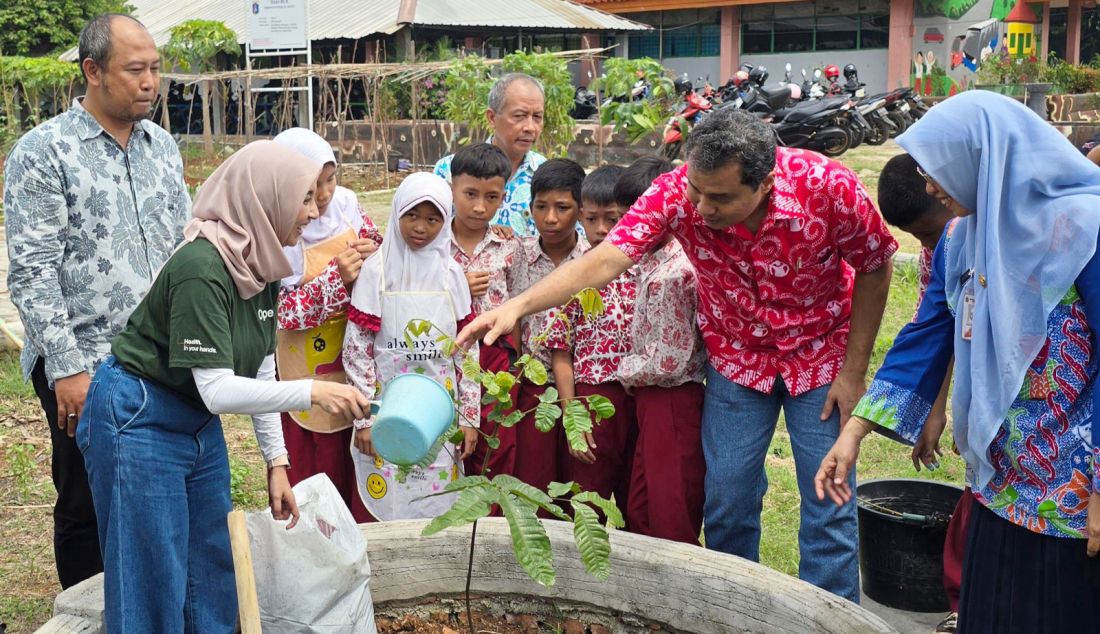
{"x": 1020, "y": 24}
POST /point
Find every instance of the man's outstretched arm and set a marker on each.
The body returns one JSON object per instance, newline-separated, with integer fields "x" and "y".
{"x": 595, "y": 269}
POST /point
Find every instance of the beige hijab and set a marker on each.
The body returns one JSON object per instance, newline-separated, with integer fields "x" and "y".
{"x": 247, "y": 206}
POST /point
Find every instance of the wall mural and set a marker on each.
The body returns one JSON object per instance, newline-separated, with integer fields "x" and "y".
{"x": 954, "y": 37}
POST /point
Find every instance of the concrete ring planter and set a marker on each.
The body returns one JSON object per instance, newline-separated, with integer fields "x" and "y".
{"x": 682, "y": 588}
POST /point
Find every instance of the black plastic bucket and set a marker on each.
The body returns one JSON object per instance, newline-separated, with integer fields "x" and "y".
{"x": 902, "y": 527}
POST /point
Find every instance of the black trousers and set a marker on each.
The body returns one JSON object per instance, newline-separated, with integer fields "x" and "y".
{"x": 1016, "y": 581}
{"x": 75, "y": 538}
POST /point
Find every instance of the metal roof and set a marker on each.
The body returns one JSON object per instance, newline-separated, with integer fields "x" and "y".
{"x": 351, "y": 19}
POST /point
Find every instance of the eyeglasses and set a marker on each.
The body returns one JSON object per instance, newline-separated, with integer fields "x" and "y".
{"x": 925, "y": 176}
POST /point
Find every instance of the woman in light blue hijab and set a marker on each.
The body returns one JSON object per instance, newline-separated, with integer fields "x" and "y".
{"x": 1015, "y": 297}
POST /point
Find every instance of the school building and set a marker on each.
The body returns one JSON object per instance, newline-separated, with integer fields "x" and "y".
{"x": 936, "y": 44}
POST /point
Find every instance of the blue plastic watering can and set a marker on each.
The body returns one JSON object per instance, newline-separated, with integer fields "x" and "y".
{"x": 413, "y": 413}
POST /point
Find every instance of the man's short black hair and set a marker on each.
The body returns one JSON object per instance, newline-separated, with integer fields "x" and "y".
{"x": 95, "y": 40}
{"x": 728, "y": 136}
{"x": 481, "y": 160}
{"x": 637, "y": 178}
{"x": 599, "y": 186}
{"x": 902, "y": 198}
{"x": 558, "y": 174}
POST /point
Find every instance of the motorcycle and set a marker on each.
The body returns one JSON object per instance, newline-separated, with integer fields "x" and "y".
{"x": 585, "y": 104}
{"x": 695, "y": 106}
{"x": 819, "y": 125}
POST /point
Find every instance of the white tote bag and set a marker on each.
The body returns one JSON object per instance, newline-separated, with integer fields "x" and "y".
{"x": 313, "y": 578}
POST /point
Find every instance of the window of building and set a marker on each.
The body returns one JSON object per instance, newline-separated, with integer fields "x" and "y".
{"x": 826, "y": 25}
{"x": 686, "y": 33}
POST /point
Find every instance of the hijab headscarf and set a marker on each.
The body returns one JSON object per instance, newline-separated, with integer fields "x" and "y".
{"x": 246, "y": 208}
{"x": 1036, "y": 213}
{"x": 341, "y": 214}
{"x": 430, "y": 268}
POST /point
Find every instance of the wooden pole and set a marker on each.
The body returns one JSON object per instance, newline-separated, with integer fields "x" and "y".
{"x": 247, "y": 601}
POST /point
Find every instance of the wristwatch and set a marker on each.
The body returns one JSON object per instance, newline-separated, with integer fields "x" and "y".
{"x": 281, "y": 461}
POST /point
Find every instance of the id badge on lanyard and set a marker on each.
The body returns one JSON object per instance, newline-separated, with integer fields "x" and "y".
{"x": 968, "y": 306}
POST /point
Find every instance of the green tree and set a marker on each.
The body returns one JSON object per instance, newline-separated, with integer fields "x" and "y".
{"x": 39, "y": 27}
{"x": 194, "y": 46}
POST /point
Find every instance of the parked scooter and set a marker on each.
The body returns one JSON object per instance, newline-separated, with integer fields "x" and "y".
{"x": 585, "y": 104}
{"x": 694, "y": 107}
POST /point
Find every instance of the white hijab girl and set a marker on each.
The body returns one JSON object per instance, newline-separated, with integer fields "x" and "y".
{"x": 412, "y": 277}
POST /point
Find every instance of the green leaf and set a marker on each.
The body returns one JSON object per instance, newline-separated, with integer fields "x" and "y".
{"x": 512, "y": 419}
{"x": 512, "y": 484}
{"x": 612, "y": 512}
{"x": 529, "y": 540}
{"x": 488, "y": 381}
{"x": 505, "y": 381}
{"x": 472, "y": 504}
{"x": 642, "y": 120}
{"x": 535, "y": 372}
{"x": 546, "y": 414}
{"x": 550, "y": 395}
{"x": 577, "y": 423}
{"x": 591, "y": 302}
{"x": 592, "y": 541}
{"x": 493, "y": 441}
{"x": 522, "y": 361}
{"x": 471, "y": 368}
{"x": 601, "y": 406}
{"x": 559, "y": 489}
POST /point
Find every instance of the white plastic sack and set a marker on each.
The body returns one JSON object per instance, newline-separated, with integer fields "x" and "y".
{"x": 313, "y": 578}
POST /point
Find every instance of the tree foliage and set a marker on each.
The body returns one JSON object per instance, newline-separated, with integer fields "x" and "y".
{"x": 194, "y": 45}
{"x": 39, "y": 27}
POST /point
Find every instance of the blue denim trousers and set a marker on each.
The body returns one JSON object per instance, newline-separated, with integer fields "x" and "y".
{"x": 159, "y": 475}
{"x": 738, "y": 425}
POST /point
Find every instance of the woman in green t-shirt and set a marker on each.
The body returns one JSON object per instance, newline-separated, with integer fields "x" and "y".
{"x": 200, "y": 344}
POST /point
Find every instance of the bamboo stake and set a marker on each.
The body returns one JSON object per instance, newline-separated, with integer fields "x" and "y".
{"x": 247, "y": 601}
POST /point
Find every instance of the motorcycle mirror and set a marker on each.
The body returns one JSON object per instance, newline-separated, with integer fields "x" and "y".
{"x": 817, "y": 73}
{"x": 803, "y": 73}
{"x": 788, "y": 67}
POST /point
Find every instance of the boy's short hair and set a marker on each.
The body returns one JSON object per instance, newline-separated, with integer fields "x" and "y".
{"x": 902, "y": 198}
{"x": 637, "y": 178}
{"x": 481, "y": 160}
{"x": 558, "y": 174}
{"x": 599, "y": 186}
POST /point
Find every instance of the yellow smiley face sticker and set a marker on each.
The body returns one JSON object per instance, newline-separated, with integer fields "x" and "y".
{"x": 379, "y": 462}
{"x": 376, "y": 486}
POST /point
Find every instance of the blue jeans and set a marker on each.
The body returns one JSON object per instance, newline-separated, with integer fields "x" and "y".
{"x": 738, "y": 425}
{"x": 159, "y": 475}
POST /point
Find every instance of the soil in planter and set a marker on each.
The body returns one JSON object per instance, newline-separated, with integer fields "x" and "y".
{"x": 508, "y": 614}
{"x": 443, "y": 623}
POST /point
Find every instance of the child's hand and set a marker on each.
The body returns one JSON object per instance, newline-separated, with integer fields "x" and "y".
{"x": 503, "y": 231}
{"x": 469, "y": 442}
{"x": 362, "y": 441}
{"x": 348, "y": 263}
{"x": 478, "y": 281}
{"x": 364, "y": 246}
{"x": 586, "y": 456}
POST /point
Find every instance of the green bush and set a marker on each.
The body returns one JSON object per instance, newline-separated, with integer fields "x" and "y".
{"x": 636, "y": 119}
{"x": 30, "y": 86}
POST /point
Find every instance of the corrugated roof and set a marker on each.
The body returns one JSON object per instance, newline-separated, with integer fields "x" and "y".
{"x": 526, "y": 14}
{"x": 335, "y": 19}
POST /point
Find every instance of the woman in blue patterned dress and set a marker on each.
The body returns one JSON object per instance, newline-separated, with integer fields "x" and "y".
{"x": 1015, "y": 295}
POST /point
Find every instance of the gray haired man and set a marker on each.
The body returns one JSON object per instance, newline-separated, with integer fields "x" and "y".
{"x": 94, "y": 204}
{"x": 516, "y": 109}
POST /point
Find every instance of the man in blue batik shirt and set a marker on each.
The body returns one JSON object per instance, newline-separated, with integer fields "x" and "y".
{"x": 94, "y": 203}
{"x": 516, "y": 106}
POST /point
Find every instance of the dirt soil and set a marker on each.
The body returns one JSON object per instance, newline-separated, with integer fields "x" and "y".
{"x": 445, "y": 623}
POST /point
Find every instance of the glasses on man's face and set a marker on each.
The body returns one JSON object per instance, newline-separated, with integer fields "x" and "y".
{"x": 925, "y": 176}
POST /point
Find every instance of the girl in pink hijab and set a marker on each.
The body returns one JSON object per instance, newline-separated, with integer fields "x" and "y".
{"x": 312, "y": 317}
{"x": 200, "y": 344}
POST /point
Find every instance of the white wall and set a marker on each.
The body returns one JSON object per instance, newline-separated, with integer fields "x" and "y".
{"x": 871, "y": 65}
{"x": 695, "y": 67}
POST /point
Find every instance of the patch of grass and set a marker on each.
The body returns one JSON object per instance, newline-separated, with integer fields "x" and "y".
{"x": 12, "y": 384}
{"x": 24, "y": 614}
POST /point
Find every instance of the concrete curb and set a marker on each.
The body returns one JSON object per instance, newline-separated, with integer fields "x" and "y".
{"x": 687, "y": 587}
